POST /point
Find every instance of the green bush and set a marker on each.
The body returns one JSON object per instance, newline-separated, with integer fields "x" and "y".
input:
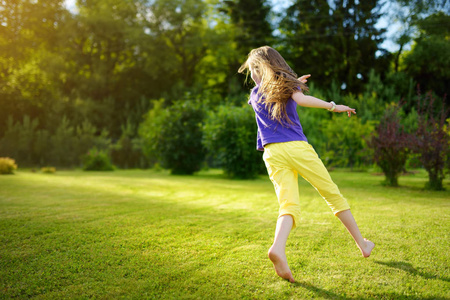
{"x": 64, "y": 145}
{"x": 346, "y": 144}
{"x": 97, "y": 160}
{"x": 17, "y": 140}
{"x": 127, "y": 151}
{"x": 173, "y": 136}
{"x": 48, "y": 170}
{"x": 230, "y": 137}
{"x": 7, "y": 165}
{"x": 341, "y": 141}
{"x": 311, "y": 118}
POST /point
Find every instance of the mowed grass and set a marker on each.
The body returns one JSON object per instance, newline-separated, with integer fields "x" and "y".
{"x": 143, "y": 234}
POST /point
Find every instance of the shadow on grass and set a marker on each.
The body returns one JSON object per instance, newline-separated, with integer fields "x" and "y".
{"x": 407, "y": 267}
{"x": 322, "y": 293}
{"x": 319, "y": 292}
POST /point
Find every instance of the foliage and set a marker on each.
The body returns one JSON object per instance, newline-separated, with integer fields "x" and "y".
{"x": 62, "y": 146}
{"x": 48, "y": 170}
{"x": 311, "y": 119}
{"x": 342, "y": 31}
{"x": 127, "y": 151}
{"x": 251, "y": 23}
{"x": 339, "y": 140}
{"x": 431, "y": 140}
{"x": 72, "y": 81}
{"x": 97, "y": 160}
{"x": 173, "y": 136}
{"x": 391, "y": 145}
{"x": 62, "y": 142}
{"x": 430, "y": 53}
{"x": 183, "y": 34}
{"x": 346, "y": 143}
{"x": 229, "y": 137}
{"x": 7, "y": 165}
{"x": 18, "y": 140}
{"x": 29, "y": 30}
{"x": 150, "y": 128}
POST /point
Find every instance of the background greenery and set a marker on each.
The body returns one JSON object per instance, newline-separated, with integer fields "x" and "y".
{"x": 146, "y": 234}
{"x": 71, "y": 81}
{"x": 139, "y": 83}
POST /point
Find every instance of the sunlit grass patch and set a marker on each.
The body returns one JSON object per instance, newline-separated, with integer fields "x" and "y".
{"x": 144, "y": 234}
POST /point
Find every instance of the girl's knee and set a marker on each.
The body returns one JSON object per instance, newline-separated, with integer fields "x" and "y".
{"x": 338, "y": 205}
{"x": 293, "y": 210}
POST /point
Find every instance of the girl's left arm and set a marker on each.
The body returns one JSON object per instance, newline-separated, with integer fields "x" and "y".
{"x": 310, "y": 101}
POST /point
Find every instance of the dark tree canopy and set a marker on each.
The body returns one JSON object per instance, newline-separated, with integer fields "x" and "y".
{"x": 334, "y": 40}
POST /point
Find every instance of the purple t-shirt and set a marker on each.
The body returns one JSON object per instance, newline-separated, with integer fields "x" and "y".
{"x": 272, "y": 131}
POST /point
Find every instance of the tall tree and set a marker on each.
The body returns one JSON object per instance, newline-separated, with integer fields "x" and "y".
{"x": 335, "y": 40}
{"x": 407, "y": 14}
{"x": 429, "y": 59}
{"x": 28, "y": 36}
{"x": 98, "y": 53}
{"x": 306, "y": 31}
{"x": 181, "y": 31}
{"x": 251, "y": 21}
{"x": 251, "y": 29}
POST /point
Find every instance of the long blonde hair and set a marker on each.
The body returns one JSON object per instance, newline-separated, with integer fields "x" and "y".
{"x": 277, "y": 80}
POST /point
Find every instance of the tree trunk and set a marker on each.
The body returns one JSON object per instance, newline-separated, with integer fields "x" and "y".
{"x": 434, "y": 182}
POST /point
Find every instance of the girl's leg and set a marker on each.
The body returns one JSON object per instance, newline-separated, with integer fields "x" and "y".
{"x": 277, "y": 253}
{"x": 311, "y": 168}
{"x": 349, "y": 222}
{"x": 285, "y": 181}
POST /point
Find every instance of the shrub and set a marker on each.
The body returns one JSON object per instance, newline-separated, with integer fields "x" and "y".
{"x": 390, "y": 145}
{"x": 49, "y": 170}
{"x": 309, "y": 118}
{"x": 85, "y": 139}
{"x": 127, "y": 151}
{"x": 7, "y": 165}
{"x": 18, "y": 138}
{"x": 230, "y": 137}
{"x": 431, "y": 140}
{"x": 61, "y": 145}
{"x": 346, "y": 144}
{"x": 173, "y": 136}
{"x": 339, "y": 140}
{"x": 97, "y": 160}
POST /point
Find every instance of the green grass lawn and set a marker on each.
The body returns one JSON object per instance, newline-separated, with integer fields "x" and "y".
{"x": 144, "y": 234}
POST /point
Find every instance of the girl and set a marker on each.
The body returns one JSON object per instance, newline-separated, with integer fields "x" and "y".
{"x": 286, "y": 150}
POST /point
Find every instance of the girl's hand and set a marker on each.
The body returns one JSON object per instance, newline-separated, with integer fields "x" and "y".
{"x": 344, "y": 108}
{"x": 304, "y": 78}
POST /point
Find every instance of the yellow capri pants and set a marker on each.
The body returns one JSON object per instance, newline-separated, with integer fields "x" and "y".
{"x": 284, "y": 161}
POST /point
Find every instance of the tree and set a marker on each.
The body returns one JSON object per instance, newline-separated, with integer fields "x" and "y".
{"x": 251, "y": 28}
{"x": 103, "y": 72}
{"x": 430, "y": 55}
{"x": 335, "y": 40}
{"x": 180, "y": 30}
{"x": 250, "y": 19}
{"x": 28, "y": 36}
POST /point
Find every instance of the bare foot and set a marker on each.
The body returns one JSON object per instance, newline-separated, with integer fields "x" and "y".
{"x": 280, "y": 264}
{"x": 367, "y": 248}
